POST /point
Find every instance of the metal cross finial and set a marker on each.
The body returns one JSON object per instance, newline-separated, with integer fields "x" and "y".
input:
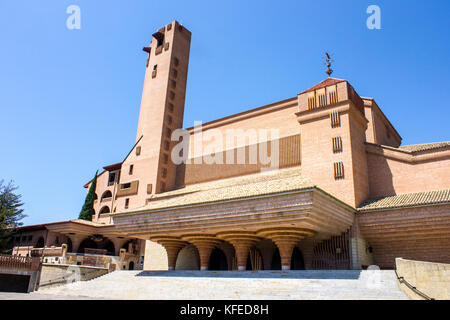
{"x": 328, "y": 62}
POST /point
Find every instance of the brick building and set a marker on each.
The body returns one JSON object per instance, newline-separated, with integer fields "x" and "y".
{"x": 316, "y": 181}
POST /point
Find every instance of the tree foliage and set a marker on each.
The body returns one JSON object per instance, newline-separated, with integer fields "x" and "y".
{"x": 87, "y": 211}
{"x": 11, "y": 212}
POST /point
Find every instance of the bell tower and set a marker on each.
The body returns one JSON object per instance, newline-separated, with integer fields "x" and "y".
{"x": 161, "y": 112}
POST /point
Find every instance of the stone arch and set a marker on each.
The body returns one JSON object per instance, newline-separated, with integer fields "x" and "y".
{"x": 188, "y": 258}
{"x": 218, "y": 260}
{"x": 104, "y": 209}
{"x": 297, "y": 261}
{"x": 107, "y": 194}
{"x": 110, "y": 248}
{"x": 87, "y": 243}
{"x": 276, "y": 260}
{"x": 131, "y": 265}
{"x": 255, "y": 260}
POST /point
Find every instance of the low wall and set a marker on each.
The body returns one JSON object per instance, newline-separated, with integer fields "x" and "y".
{"x": 57, "y": 274}
{"x": 430, "y": 278}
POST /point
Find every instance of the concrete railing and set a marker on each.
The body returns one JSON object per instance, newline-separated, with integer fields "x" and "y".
{"x": 19, "y": 263}
{"x": 424, "y": 280}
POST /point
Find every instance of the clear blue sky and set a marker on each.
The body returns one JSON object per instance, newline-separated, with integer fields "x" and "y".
{"x": 70, "y": 99}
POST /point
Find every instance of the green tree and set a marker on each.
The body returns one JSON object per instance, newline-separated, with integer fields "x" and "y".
{"x": 11, "y": 213}
{"x": 88, "y": 207}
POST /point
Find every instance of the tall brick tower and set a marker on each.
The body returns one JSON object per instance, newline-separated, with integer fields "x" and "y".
{"x": 148, "y": 169}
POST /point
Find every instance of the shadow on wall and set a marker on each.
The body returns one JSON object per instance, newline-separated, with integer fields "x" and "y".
{"x": 380, "y": 175}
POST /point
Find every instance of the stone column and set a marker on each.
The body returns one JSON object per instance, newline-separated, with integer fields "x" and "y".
{"x": 118, "y": 243}
{"x": 205, "y": 243}
{"x": 76, "y": 240}
{"x": 172, "y": 245}
{"x": 242, "y": 242}
{"x": 285, "y": 238}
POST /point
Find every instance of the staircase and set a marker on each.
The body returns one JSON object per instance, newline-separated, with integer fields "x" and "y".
{"x": 209, "y": 285}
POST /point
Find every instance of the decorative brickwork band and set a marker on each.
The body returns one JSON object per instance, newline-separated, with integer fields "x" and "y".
{"x": 204, "y": 243}
{"x": 172, "y": 245}
{"x": 242, "y": 242}
{"x": 285, "y": 238}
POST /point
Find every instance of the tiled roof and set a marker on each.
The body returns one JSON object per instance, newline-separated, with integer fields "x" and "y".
{"x": 325, "y": 83}
{"x": 259, "y": 184}
{"x": 407, "y": 200}
{"x": 425, "y": 146}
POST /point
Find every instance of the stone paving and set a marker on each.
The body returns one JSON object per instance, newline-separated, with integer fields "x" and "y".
{"x": 38, "y": 296}
{"x": 210, "y": 285}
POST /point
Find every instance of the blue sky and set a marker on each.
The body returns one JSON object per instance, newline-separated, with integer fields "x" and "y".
{"x": 70, "y": 99}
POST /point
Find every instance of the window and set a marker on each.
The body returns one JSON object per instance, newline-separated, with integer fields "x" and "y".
{"x": 174, "y": 73}
{"x": 125, "y": 186}
{"x": 169, "y": 119}
{"x": 171, "y": 95}
{"x": 105, "y": 209}
{"x": 131, "y": 170}
{"x": 171, "y": 107}
{"x": 164, "y": 172}
{"x": 127, "y": 203}
{"x": 322, "y": 100}
{"x": 155, "y": 68}
{"x": 335, "y": 119}
{"x": 111, "y": 178}
{"x": 149, "y": 188}
{"x": 337, "y": 144}
{"x": 175, "y": 61}
{"x": 338, "y": 170}
{"x": 332, "y": 97}
{"x": 311, "y": 103}
{"x": 159, "y": 36}
{"x": 107, "y": 195}
{"x": 138, "y": 150}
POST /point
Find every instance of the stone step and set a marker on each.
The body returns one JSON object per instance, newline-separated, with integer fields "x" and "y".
{"x": 192, "y": 285}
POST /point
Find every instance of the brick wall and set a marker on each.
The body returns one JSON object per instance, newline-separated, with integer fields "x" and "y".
{"x": 394, "y": 172}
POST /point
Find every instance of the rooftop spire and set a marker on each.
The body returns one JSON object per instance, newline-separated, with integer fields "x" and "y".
{"x": 328, "y": 62}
